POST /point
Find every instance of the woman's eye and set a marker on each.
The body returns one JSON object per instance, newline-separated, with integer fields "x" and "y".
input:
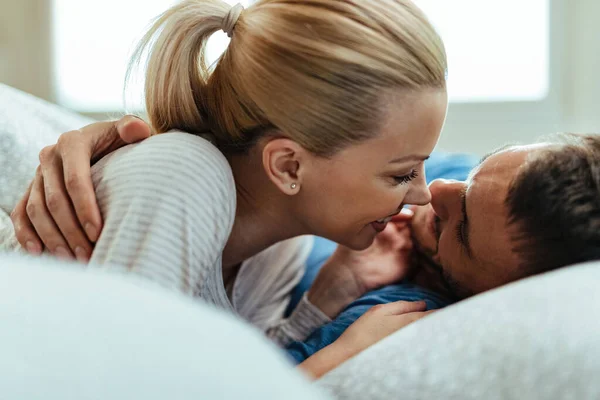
{"x": 401, "y": 180}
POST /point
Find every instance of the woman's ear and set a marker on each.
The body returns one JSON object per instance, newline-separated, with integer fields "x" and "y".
{"x": 283, "y": 161}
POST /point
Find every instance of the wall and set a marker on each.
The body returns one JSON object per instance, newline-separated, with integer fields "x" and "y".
{"x": 573, "y": 103}
{"x": 581, "y": 101}
{"x": 25, "y": 46}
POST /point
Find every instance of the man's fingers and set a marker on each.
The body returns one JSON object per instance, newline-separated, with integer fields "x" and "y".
{"x": 133, "y": 129}
{"x": 409, "y": 318}
{"x": 42, "y": 220}
{"x": 400, "y": 307}
{"x": 406, "y": 245}
{"x": 77, "y": 148}
{"x": 77, "y": 178}
{"x": 60, "y": 208}
{"x": 413, "y": 208}
{"x": 396, "y": 236}
{"x": 413, "y": 316}
{"x": 405, "y": 215}
{"x": 403, "y": 307}
{"x": 24, "y": 230}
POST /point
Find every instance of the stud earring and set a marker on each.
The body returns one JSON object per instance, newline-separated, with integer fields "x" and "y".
{"x": 293, "y": 185}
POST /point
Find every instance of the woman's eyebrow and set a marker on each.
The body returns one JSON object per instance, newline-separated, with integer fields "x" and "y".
{"x": 412, "y": 157}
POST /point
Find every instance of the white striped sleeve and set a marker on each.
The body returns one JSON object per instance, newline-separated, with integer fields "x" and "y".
{"x": 305, "y": 318}
{"x": 168, "y": 205}
{"x": 263, "y": 291}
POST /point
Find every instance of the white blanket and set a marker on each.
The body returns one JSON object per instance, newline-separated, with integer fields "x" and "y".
{"x": 8, "y": 242}
{"x": 72, "y": 333}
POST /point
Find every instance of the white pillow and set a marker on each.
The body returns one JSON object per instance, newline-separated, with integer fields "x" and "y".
{"x": 27, "y": 124}
{"x": 8, "y": 240}
{"x": 535, "y": 339}
{"x": 70, "y": 333}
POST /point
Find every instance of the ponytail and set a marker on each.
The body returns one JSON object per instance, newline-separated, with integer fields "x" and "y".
{"x": 177, "y": 73}
{"x": 316, "y": 71}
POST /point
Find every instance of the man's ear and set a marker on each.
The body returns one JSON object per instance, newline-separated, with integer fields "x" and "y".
{"x": 283, "y": 161}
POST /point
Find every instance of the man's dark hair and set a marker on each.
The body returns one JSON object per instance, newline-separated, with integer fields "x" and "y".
{"x": 554, "y": 204}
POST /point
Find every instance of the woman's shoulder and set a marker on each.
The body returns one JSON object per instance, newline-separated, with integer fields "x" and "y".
{"x": 180, "y": 150}
{"x": 169, "y": 157}
{"x": 173, "y": 168}
{"x": 168, "y": 205}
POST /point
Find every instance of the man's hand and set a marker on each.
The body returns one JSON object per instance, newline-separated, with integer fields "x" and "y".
{"x": 59, "y": 210}
{"x": 349, "y": 274}
{"x": 376, "y": 324}
{"x": 386, "y": 261}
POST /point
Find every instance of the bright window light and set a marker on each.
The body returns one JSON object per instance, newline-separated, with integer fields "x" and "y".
{"x": 497, "y": 50}
{"x": 93, "y": 41}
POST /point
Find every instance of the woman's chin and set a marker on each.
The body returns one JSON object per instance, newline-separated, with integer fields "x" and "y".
{"x": 360, "y": 241}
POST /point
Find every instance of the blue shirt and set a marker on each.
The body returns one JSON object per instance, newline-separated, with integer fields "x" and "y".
{"x": 327, "y": 334}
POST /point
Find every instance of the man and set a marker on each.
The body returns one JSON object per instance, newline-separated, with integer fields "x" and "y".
{"x": 522, "y": 211}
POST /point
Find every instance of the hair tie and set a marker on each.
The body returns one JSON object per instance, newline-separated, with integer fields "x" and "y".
{"x": 231, "y": 19}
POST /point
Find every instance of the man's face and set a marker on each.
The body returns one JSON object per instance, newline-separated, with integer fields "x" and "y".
{"x": 465, "y": 228}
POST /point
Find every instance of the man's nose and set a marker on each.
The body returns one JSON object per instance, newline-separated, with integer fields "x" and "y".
{"x": 445, "y": 197}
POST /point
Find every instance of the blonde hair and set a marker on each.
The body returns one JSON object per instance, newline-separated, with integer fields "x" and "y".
{"x": 313, "y": 70}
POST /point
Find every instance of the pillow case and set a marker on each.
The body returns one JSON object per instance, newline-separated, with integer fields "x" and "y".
{"x": 533, "y": 339}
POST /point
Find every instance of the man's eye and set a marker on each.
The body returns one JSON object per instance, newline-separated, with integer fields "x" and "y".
{"x": 459, "y": 232}
{"x": 401, "y": 180}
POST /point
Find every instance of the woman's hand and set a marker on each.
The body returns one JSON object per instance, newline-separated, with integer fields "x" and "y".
{"x": 348, "y": 274}
{"x": 376, "y": 324}
{"x": 386, "y": 261}
{"x": 59, "y": 210}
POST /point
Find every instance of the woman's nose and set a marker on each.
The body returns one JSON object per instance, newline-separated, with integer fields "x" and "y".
{"x": 419, "y": 194}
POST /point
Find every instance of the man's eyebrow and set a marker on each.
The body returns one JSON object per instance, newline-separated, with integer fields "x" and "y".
{"x": 485, "y": 157}
{"x": 492, "y": 153}
{"x": 465, "y": 222}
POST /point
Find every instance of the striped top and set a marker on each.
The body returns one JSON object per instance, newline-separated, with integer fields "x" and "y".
{"x": 168, "y": 205}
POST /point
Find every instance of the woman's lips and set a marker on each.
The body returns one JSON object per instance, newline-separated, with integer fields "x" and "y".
{"x": 378, "y": 226}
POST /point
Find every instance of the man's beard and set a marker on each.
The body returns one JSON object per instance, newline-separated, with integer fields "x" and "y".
{"x": 426, "y": 258}
{"x": 452, "y": 287}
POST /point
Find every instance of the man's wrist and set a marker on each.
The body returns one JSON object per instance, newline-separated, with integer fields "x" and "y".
{"x": 330, "y": 304}
{"x": 325, "y": 360}
{"x": 334, "y": 289}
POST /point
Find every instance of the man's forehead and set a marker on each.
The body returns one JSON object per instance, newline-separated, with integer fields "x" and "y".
{"x": 488, "y": 187}
{"x": 503, "y": 163}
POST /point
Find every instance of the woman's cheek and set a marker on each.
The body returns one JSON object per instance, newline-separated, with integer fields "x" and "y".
{"x": 399, "y": 195}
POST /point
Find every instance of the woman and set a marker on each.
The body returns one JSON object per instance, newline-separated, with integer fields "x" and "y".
{"x": 318, "y": 117}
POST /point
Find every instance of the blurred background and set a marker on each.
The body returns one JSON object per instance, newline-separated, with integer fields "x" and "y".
{"x": 519, "y": 69}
